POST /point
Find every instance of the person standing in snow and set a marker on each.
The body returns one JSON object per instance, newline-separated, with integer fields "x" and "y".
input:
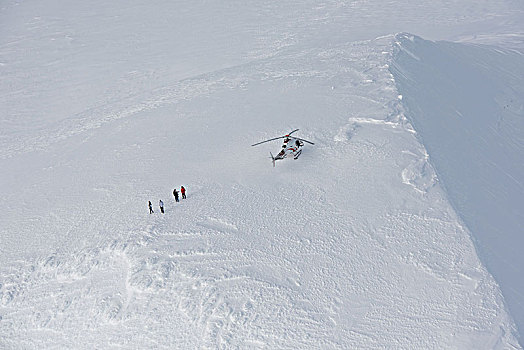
{"x": 161, "y": 204}
{"x": 150, "y": 208}
{"x": 183, "y": 191}
{"x": 175, "y": 193}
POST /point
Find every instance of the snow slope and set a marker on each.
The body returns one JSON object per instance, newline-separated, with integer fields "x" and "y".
{"x": 354, "y": 245}
{"x": 467, "y": 104}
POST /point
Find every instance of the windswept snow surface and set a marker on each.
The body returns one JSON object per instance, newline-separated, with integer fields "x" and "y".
{"x": 106, "y": 105}
{"x": 467, "y": 103}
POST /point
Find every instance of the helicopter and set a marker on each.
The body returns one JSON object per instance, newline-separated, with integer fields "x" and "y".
{"x": 292, "y": 146}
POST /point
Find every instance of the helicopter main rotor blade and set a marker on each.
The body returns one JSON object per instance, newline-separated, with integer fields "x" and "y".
{"x": 275, "y": 138}
{"x": 298, "y": 138}
{"x": 281, "y": 137}
{"x": 292, "y": 132}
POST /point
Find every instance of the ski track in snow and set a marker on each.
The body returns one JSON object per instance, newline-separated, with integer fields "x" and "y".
{"x": 327, "y": 261}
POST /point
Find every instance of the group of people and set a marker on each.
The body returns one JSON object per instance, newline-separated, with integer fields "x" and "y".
{"x": 182, "y": 191}
{"x": 161, "y": 204}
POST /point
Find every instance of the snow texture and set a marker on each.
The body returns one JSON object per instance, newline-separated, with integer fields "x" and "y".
{"x": 355, "y": 245}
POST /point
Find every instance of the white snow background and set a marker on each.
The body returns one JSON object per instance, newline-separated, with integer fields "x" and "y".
{"x": 400, "y": 228}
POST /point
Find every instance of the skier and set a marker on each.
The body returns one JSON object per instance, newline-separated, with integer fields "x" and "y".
{"x": 161, "y": 204}
{"x": 175, "y": 193}
{"x": 183, "y": 191}
{"x": 150, "y": 208}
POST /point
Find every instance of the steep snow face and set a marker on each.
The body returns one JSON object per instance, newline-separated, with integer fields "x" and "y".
{"x": 467, "y": 103}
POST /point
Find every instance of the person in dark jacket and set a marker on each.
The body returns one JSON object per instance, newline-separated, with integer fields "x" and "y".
{"x": 175, "y": 193}
{"x": 150, "y": 208}
{"x": 183, "y": 191}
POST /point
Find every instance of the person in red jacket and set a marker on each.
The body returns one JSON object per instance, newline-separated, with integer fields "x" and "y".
{"x": 183, "y": 191}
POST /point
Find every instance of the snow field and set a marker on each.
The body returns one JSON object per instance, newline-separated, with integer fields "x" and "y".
{"x": 354, "y": 245}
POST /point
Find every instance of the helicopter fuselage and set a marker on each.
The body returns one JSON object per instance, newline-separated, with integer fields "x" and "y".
{"x": 292, "y": 146}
